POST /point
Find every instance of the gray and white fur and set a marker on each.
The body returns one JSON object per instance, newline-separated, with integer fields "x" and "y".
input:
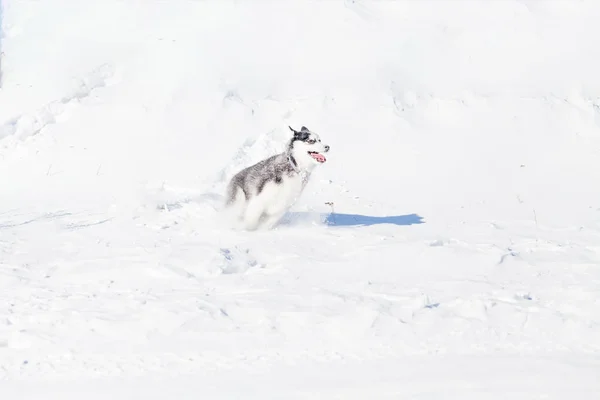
{"x": 259, "y": 196}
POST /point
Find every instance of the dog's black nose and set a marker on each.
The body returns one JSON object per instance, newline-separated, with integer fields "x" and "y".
{"x": 326, "y": 147}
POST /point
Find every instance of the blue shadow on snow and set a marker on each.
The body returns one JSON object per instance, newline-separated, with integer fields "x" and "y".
{"x": 368, "y": 220}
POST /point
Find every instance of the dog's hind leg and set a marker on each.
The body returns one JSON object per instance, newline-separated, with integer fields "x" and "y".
{"x": 253, "y": 215}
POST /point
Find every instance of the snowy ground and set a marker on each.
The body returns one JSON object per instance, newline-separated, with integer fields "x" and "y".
{"x": 462, "y": 259}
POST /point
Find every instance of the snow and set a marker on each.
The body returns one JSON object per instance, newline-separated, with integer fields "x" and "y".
{"x": 462, "y": 256}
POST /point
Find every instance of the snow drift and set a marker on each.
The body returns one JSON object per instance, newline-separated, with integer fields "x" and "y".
{"x": 454, "y": 229}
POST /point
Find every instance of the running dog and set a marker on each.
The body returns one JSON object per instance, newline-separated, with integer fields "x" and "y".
{"x": 260, "y": 195}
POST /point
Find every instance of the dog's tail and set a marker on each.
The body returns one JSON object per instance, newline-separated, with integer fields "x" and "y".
{"x": 232, "y": 194}
{"x": 235, "y": 205}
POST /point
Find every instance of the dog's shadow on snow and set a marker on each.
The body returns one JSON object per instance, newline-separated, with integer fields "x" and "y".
{"x": 368, "y": 220}
{"x": 336, "y": 219}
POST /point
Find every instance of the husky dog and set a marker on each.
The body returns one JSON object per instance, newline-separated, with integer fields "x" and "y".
{"x": 259, "y": 195}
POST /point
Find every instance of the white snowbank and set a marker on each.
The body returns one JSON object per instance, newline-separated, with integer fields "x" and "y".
{"x": 464, "y": 163}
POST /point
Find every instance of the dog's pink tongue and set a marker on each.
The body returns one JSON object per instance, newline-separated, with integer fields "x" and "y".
{"x": 319, "y": 157}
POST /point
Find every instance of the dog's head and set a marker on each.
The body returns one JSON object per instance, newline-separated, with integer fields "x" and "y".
{"x": 307, "y": 148}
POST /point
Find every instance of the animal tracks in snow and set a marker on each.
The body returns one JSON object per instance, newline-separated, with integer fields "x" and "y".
{"x": 31, "y": 123}
{"x": 64, "y": 219}
{"x": 236, "y": 260}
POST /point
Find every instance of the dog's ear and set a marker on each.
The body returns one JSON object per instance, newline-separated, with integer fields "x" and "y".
{"x": 300, "y": 135}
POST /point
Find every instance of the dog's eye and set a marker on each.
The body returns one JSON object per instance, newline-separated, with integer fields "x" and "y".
{"x": 311, "y": 141}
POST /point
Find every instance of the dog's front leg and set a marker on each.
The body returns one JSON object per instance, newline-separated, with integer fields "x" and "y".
{"x": 271, "y": 220}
